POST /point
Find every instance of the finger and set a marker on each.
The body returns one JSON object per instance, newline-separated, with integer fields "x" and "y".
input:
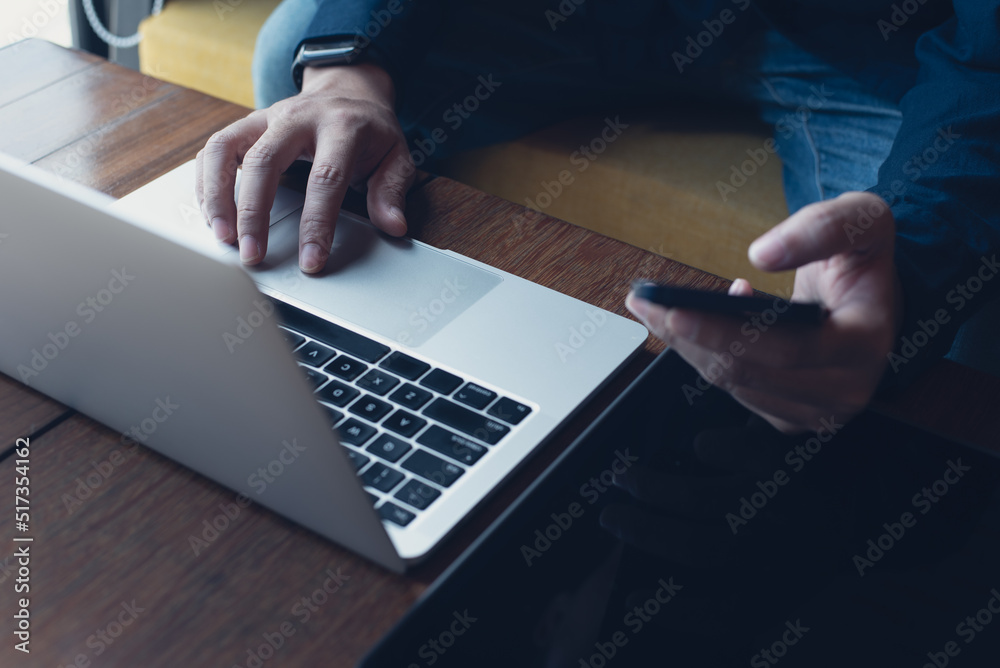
{"x": 215, "y": 173}
{"x": 387, "y": 190}
{"x": 741, "y": 288}
{"x": 329, "y": 179}
{"x": 853, "y": 222}
{"x": 263, "y": 166}
{"x": 839, "y": 387}
{"x": 762, "y": 337}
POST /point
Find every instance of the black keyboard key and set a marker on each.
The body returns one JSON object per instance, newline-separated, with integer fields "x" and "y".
{"x": 294, "y": 340}
{"x": 475, "y": 396}
{"x": 452, "y": 445}
{"x": 359, "y": 460}
{"x": 337, "y": 393}
{"x": 317, "y": 378}
{"x": 346, "y": 367}
{"x": 389, "y": 447}
{"x": 315, "y": 354}
{"x": 404, "y": 423}
{"x": 335, "y": 415}
{"x": 370, "y": 408}
{"x": 441, "y": 381}
{"x": 395, "y": 514}
{"x": 377, "y": 382}
{"x": 468, "y": 422}
{"x": 405, "y": 366}
{"x": 410, "y": 396}
{"x": 432, "y": 468}
{"x": 331, "y": 334}
{"x": 509, "y": 411}
{"x": 417, "y": 494}
{"x": 355, "y": 432}
{"x": 381, "y": 477}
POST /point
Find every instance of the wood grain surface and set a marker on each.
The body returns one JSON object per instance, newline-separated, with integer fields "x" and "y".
{"x": 113, "y": 523}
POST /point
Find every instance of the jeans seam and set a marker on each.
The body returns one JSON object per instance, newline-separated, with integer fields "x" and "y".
{"x": 816, "y": 161}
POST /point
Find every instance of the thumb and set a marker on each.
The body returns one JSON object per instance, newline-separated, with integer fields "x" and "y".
{"x": 387, "y": 188}
{"x": 855, "y": 222}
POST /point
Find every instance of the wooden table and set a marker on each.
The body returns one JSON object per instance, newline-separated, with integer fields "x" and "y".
{"x": 114, "y": 578}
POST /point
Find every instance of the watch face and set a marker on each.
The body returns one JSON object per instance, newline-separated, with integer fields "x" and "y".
{"x": 329, "y": 50}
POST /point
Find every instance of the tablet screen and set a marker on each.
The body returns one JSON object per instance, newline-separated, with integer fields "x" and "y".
{"x": 682, "y": 530}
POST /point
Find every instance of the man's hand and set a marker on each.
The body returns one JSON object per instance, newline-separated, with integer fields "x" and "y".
{"x": 343, "y": 122}
{"x": 793, "y": 375}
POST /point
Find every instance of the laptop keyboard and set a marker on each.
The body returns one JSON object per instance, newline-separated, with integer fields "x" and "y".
{"x": 410, "y": 429}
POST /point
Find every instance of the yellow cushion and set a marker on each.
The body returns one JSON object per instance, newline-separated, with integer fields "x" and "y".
{"x": 205, "y": 44}
{"x": 656, "y": 186}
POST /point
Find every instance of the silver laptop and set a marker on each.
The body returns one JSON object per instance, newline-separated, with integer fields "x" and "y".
{"x": 376, "y": 404}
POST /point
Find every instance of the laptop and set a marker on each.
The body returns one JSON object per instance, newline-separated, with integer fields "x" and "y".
{"x": 377, "y": 404}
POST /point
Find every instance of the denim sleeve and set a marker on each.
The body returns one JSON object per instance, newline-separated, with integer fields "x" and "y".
{"x": 942, "y": 181}
{"x": 398, "y": 30}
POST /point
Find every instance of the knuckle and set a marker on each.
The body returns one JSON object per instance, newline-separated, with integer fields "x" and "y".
{"x": 251, "y": 211}
{"x": 291, "y": 110}
{"x": 328, "y": 176}
{"x": 220, "y": 141}
{"x": 394, "y": 190}
{"x": 260, "y": 157}
{"x": 317, "y": 232}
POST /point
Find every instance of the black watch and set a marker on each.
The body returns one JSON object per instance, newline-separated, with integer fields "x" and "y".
{"x": 345, "y": 51}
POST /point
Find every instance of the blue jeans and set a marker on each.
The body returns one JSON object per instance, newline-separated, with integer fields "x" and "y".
{"x": 830, "y": 134}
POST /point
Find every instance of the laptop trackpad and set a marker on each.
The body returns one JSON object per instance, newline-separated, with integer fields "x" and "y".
{"x": 397, "y": 288}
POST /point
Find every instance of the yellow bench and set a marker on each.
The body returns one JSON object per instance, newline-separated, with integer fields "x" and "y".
{"x": 656, "y": 186}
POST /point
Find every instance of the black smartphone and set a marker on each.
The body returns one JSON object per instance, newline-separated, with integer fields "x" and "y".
{"x": 806, "y": 313}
